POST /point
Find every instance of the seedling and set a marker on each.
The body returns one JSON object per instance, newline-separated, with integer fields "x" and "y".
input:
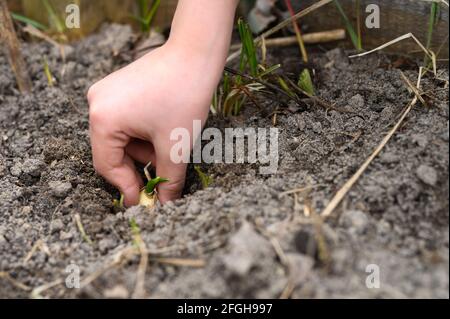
{"x": 26, "y": 20}
{"x": 55, "y": 20}
{"x": 148, "y": 194}
{"x": 48, "y": 73}
{"x": 305, "y": 81}
{"x": 147, "y": 13}
{"x": 235, "y": 89}
{"x": 205, "y": 179}
{"x": 434, "y": 11}
{"x": 356, "y": 40}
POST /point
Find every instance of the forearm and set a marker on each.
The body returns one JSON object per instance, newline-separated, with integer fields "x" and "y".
{"x": 204, "y": 27}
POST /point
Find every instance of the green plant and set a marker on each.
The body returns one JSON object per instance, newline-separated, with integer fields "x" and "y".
{"x": 55, "y": 19}
{"x": 205, "y": 179}
{"x": 48, "y": 73}
{"x": 356, "y": 39}
{"x": 146, "y": 13}
{"x": 434, "y": 12}
{"x": 21, "y": 18}
{"x": 305, "y": 80}
{"x": 151, "y": 184}
{"x": 229, "y": 98}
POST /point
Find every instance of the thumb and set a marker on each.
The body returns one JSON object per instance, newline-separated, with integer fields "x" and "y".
{"x": 175, "y": 173}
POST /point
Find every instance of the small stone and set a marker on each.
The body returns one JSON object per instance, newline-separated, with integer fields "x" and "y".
{"x": 246, "y": 250}
{"x": 117, "y": 292}
{"x": 427, "y": 174}
{"x": 356, "y": 102}
{"x": 420, "y": 139}
{"x": 16, "y": 170}
{"x": 56, "y": 225}
{"x": 26, "y": 210}
{"x": 389, "y": 157}
{"x": 33, "y": 167}
{"x": 194, "y": 208}
{"x": 355, "y": 220}
{"x": 300, "y": 267}
{"x": 106, "y": 244}
{"x": 317, "y": 127}
{"x": 60, "y": 189}
{"x": 65, "y": 235}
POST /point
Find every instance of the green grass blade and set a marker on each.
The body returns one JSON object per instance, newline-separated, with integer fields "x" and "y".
{"x": 350, "y": 30}
{"x": 205, "y": 179}
{"x": 432, "y": 21}
{"x": 21, "y": 18}
{"x": 248, "y": 48}
{"x": 54, "y": 18}
{"x": 305, "y": 82}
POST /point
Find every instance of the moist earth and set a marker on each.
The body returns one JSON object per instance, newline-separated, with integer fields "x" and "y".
{"x": 243, "y": 235}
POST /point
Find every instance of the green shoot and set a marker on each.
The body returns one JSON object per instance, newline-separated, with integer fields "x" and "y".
{"x": 85, "y": 237}
{"x": 29, "y": 21}
{"x": 358, "y": 23}
{"x": 205, "y": 179}
{"x": 118, "y": 203}
{"x": 135, "y": 232}
{"x": 147, "y": 13}
{"x": 48, "y": 73}
{"x": 151, "y": 184}
{"x": 431, "y": 23}
{"x": 348, "y": 25}
{"x": 305, "y": 82}
{"x": 248, "y": 56}
{"x": 55, "y": 20}
{"x": 298, "y": 33}
{"x": 236, "y": 87}
{"x": 285, "y": 87}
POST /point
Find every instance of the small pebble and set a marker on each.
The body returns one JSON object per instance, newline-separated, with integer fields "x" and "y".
{"x": 427, "y": 174}
{"x": 56, "y": 225}
{"x": 60, "y": 189}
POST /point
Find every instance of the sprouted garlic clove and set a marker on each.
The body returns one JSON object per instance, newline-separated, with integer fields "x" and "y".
{"x": 147, "y": 200}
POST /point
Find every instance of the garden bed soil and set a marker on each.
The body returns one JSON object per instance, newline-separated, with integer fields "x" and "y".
{"x": 254, "y": 241}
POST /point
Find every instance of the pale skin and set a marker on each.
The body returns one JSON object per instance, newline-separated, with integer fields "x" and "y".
{"x": 133, "y": 111}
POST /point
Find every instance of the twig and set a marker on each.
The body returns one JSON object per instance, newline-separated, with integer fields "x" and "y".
{"x": 308, "y": 38}
{"x": 181, "y": 262}
{"x": 36, "y": 293}
{"x": 14, "y": 282}
{"x": 348, "y": 185}
{"x": 9, "y": 37}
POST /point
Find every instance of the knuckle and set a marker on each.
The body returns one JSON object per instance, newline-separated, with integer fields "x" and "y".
{"x": 92, "y": 92}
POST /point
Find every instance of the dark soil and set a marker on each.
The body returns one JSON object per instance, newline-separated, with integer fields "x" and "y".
{"x": 396, "y": 216}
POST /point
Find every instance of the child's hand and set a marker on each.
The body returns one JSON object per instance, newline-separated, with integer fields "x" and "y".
{"x": 134, "y": 110}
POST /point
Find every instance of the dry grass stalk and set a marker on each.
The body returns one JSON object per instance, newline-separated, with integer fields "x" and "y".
{"x": 429, "y": 53}
{"x": 180, "y": 262}
{"x": 139, "y": 290}
{"x": 13, "y": 281}
{"x": 12, "y": 45}
{"x": 39, "y": 245}
{"x": 36, "y": 293}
